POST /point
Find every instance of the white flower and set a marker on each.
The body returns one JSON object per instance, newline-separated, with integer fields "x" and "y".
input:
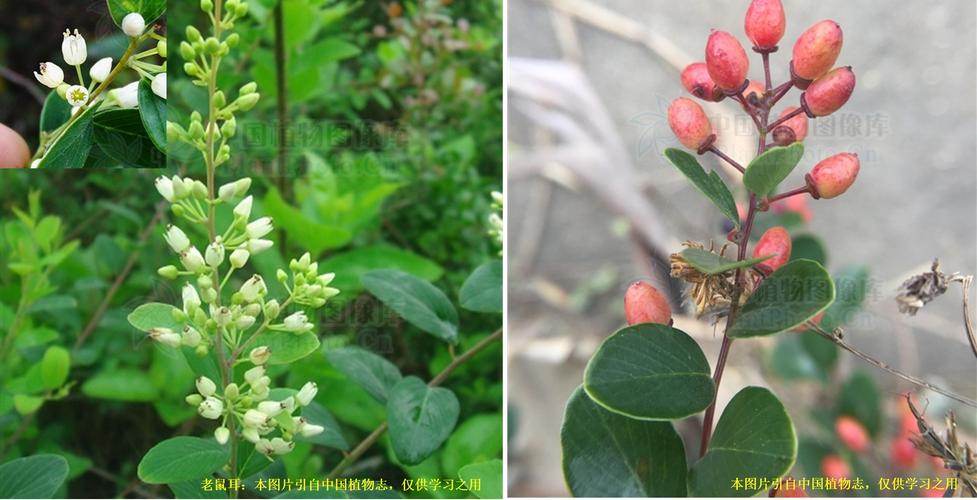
{"x": 288, "y": 404}
{"x": 270, "y": 408}
{"x": 165, "y": 336}
{"x": 251, "y": 434}
{"x": 259, "y": 228}
{"x": 264, "y": 447}
{"x": 176, "y": 238}
{"x": 221, "y": 434}
{"x": 223, "y": 316}
{"x": 308, "y": 430}
{"x": 259, "y": 389}
{"x": 211, "y": 408}
{"x": 191, "y": 337}
{"x": 325, "y": 279}
{"x": 239, "y": 258}
{"x": 297, "y": 322}
{"x": 258, "y": 246}
{"x": 205, "y": 386}
{"x": 260, "y": 355}
{"x": 231, "y": 391}
{"x": 180, "y": 188}
{"x": 232, "y": 190}
{"x": 214, "y": 254}
{"x": 245, "y": 322}
{"x": 74, "y": 49}
{"x": 133, "y": 24}
{"x": 50, "y": 75}
{"x": 280, "y": 447}
{"x": 255, "y": 418}
{"x": 253, "y": 288}
{"x": 159, "y": 85}
{"x": 76, "y": 95}
{"x": 100, "y": 70}
{"x": 127, "y": 97}
{"x": 307, "y": 393}
{"x": 193, "y": 261}
{"x": 243, "y": 209}
{"x": 165, "y": 187}
{"x": 191, "y": 300}
{"x": 252, "y": 375}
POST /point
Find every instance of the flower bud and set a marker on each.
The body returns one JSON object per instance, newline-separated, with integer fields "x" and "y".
{"x": 277, "y": 446}
{"x": 816, "y": 50}
{"x": 51, "y": 75}
{"x": 223, "y": 316}
{"x": 270, "y": 408}
{"x": 243, "y": 209}
{"x": 252, "y": 375}
{"x": 272, "y": 309}
{"x": 211, "y": 408}
{"x": 258, "y": 246}
{"x": 306, "y": 394}
{"x": 852, "y": 433}
{"x": 196, "y": 130}
{"x": 193, "y": 261}
{"x": 169, "y": 272}
{"x": 251, "y": 434}
{"x": 239, "y": 258}
{"x": 288, "y": 404}
{"x": 297, "y": 323}
{"x": 133, "y": 24}
{"x": 259, "y": 228}
{"x": 835, "y": 467}
{"x": 903, "y": 453}
{"x": 245, "y": 322}
{"x": 260, "y": 355}
{"x": 221, "y": 434}
{"x": 797, "y": 123}
{"x": 186, "y": 51}
{"x": 309, "y": 430}
{"x": 193, "y": 34}
{"x": 206, "y": 5}
{"x": 833, "y": 176}
{"x": 191, "y": 337}
{"x": 198, "y": 190}
{"x": 165, "y": 336}
{"x": 255, "y": 418}
{"x": 696, "y": 79}
{"x": 726, "y": 60}
{"x": 161, "y": 48}
{"x": 830, "y": 92}
{"x": 775, "y": 241}
{"x": 101, "y": 69}
{"x": 689, "y": 123}
{"x": 194, "y": 399}
{"x": 159, "y": 85}
{"x": 246, "y": 102}
{"x": 643, "y": 303}
{"x": 765, "y": 23}
{"x": 248, "y": 88}
{"x": 229, "y": 128}
{"x": 205, "y": 386}
{"x": 232, "y": 391}
{"x": 215, "y": 254}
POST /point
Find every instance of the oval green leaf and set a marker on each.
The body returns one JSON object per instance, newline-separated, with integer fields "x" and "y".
{"x": 71, "y": 148}
{"x": 482, "y": 291}
{"x": 332, "y": 436}
{"x": 152, "y": 111}
{"x": 415, "y": 300}
{"x": 56, "y": 112}
{"x": 182, "y": 458}
{"x": 650, "y": 372}
{"x": 709, "y": 263}
{"x": 766, "y": 171}
{"x": 420, "y": 419}
{"x": 287, "y": 347}
{"x": 121, "y": 136}
{"x": 709, "y": 184}
{"x": 154, "y": 315}
{"x": 489, "y": 476}
{"x": 124, "y": 384}
{"x": 610, "y": 455}
{"x": 793, "y": 294}
{"x": 754, "y": 438}
{"x": 38, "y": 476}
{"x": 370, "y": 371}
{"x": 54, "y": 366}
{"x": 350, "y": 266}
{"x": 149, "y": 9}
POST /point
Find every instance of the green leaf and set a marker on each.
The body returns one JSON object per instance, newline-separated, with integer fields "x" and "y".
{"x": 766, "y": 171}
{"x": 754, "y": 438}
{"x": 482, "y": 291}
{"x": 72, "y": 146}
{"x": 54, "y": 366}
{"x": 370, "y": 371}
{"x": 195, "y": 489}
{"x": 123, "y": 384}
{"x": 709, "y": 184}
{"x": 287, "y": 347}
{"x": 710, "y": 263}
{"x": 330, "y": 50}
{"x": 793, "y": 294}
{"x": 420, "y": 418}
{"x": 808, "y": 246}
{"x": 152, "y": 111}
{"x": 860, "y": 398}
{"x": 350, "y": 266}
{"x": 149, "y": 9}
{"x": 181, "y": 459}
{"x": 415, "y": 300}
{"x": 154, "y": 315}
{"x": 651, "y": 372}
{"x": 56, "y": 112}
{"x": 852, "y": 285}
{"x": 38, "y": 476}
{"x": 790, "y": 361}
{"x": 121, "y": 136}
{"x": 489, "y": 476}
{"x": 610, "y": 455}
{"x": 332, "y": 436}
{"x": 25, "y": 405}
{"x": 476, "y": 439}
{"x": 312, "y": 235}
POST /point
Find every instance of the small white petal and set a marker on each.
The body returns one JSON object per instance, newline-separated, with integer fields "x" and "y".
{"x": 159, "y": 85}
{"x": 100, "y": 70}
{"x": 133, "y": 24}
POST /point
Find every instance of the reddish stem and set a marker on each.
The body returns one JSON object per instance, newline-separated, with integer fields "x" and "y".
{"x": 766, "y": 69}
{"x": 787, "y": 194}
{"x": 781, "y": 91}
{"x": 784, "y": 118}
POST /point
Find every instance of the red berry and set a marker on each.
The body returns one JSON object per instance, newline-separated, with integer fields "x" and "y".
{"x": 834, "y": 467}
{"x": 833, "y": 175}
{"x": 726, "y": 60}
{"x": 765, "y": 23}
{"x": 643, "y": 303}
{"x": 689, "y": 122}
{"x": 852, "y": 433}
{"x": 933, "y": 493}
{"x": 775, "y": 241}
{"x": 696, "y": 79}
{"x": 830, "y": 92}
{"x": 904, "y": 453}
{"x": 755, "y": 87}
{"x": 817, "y": 49}
{"x": 797, "y": 123}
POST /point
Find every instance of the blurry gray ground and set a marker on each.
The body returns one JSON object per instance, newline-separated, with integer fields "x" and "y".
{"x": 911, "y": 119}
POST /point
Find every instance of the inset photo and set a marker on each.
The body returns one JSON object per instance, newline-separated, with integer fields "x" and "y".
{"x": 83, "y": 85}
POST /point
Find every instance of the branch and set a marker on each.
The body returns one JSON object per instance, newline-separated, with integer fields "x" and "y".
{"x": 968, "y": 321}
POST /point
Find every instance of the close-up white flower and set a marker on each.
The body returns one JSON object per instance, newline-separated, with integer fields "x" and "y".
{"x": 258, "y": 246}
{"x": 133, "y": 24}
{"x": 193, "y": 261}
{"x": 73, "y": 48}
{"x": 51, "y": 75}
{"x": 101, "y": 69}
{"x": 270, "y": 408}
{"x": 76, "y": 95}
{"x": 211, "y": 408}
{"x": 127, "y": 96}
{"x": 239, "y": 258}
{"x": 165, "y": 336}
{"x": 253, "y": 288}
{"x": 307, "y": 393}
{"x": 205, "y": 386}
{"x": 255, "y": 418}
{"x": 243, "y": 209}
{"x": 191, "y": 299}
{"x": 165, "y": 187}
{"x": 297, "y": 322}
{"x": 260, "y": 228}
{"x": 221, "y": 434}
{"x": 176, "y": 238}
{"x": 260, "y": 355}
{"x": 191, "y": 337}
{"x": 159, "y": 85}
{"x": 214, "y": 254}
{"x": 253, "y": 374}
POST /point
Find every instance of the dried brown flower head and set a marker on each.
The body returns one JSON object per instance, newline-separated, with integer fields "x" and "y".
{"x": 711, "y": 293}
{"x": 919, "y": 290}
{"x": 957, "y": 457}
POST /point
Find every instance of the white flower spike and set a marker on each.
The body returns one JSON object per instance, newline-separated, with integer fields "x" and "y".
{"x": 100, "y": 70}
{"x": 73, "y": 48}
{"x": 159, "y": 85}
{"x": 51, "y": 75}
{"x": 133, "y": 24}
{"x": 76, "y": 95}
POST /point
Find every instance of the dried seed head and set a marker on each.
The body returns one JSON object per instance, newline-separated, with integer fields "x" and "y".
{"x": 833, "y": 175}
{"x": 919, "y": 290}
{"x": 726, "y": 60}
{"x": 643, "y": 303}
{"x": 696, "y": 79}
{"x": 830, "y": 92}
{"x": 689, "y": 123}
{"x": 852, "y": 433}
{"x": 765, "y": 23}
{"x": 710, "y": 292}
{"x": 775, "y": 241}
{"x": 817, "y": 49}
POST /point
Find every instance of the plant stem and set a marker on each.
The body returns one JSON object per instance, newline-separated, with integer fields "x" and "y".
{"x": 766, "y": 69}
{"x": 781, "y": 91}
{"x": 282, "y": 103}
{"x": 729, "y": 160}
{"x": 784, "y": 118}
{"x": 367, "y": 442}
{"x": 788, "y": 194}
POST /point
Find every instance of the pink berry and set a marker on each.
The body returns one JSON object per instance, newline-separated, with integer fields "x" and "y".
{"x": 797, "y": 123}
{"x": 689, "y": 123}
{"x": 775, "y": 241}
{"x": 643, "y": 303}
{"x": 696, "y": 79}
{"x": 852, "y": 433}
{"x": 755, "y": 87}
{"x": 833, "y": 175}
{"x": 726, "y": 60}
{"x": 903, "y": 453}
{"x": 765, "y": 23}
{"x": 830, "y": 92}
{"x": 817, "y": 49}
{"x": 834, "y": 467}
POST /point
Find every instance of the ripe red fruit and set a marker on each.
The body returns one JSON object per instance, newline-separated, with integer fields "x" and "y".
{"x": 765, "y": 23}
{"x": 696, "y": 79}
{"x": 643, "y": 303}
{"x": 797, "y": 123}
{"x": 775, "y": 241}
{"x": 835, "y": 467}
{"x": 755, "y": 87}
{"x": 904, "y": 453}
{"x": 833, "y": 175}
{"x": 689, "y": 122}
{"x": 830, "y": 92}
{"x": 817, "y": 49}
{"x": 852, "y": 433}
{"x": 726, "y": 60}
